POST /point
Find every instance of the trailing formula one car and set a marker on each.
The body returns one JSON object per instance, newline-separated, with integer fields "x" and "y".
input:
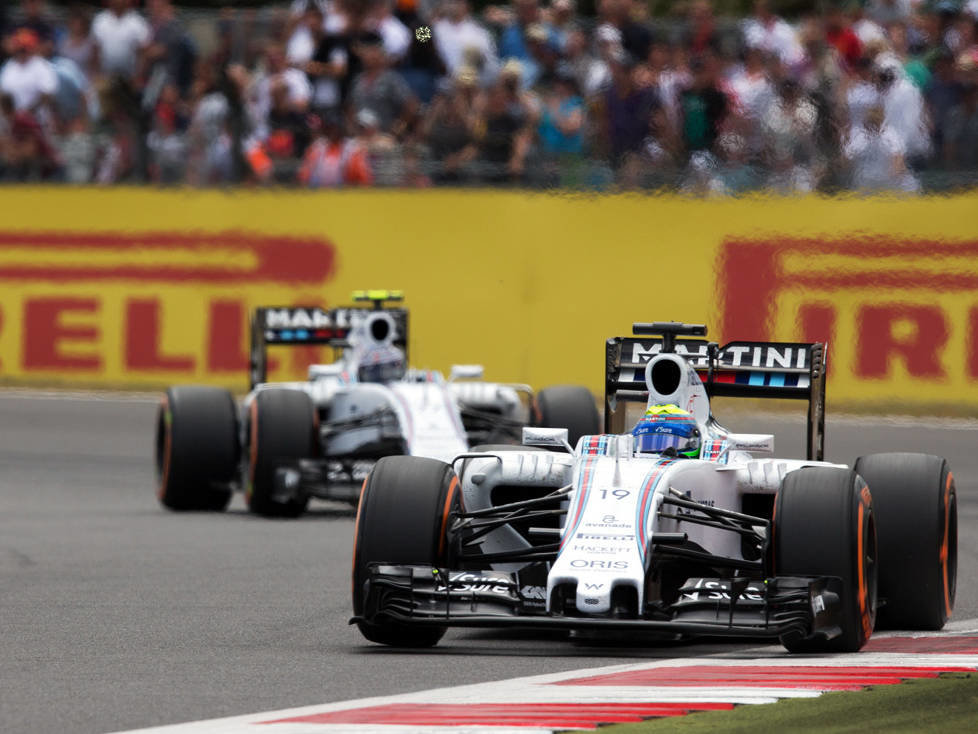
{"x": 289, "y": 441}
{"x": 671, "y": 529}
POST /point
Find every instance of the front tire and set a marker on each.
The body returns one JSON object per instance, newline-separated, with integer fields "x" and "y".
{"x": 824, "y": 526}
{"x": 916, "y": 509}
{"x": 567, "y": 406}
{"x": 282, "y": 429}
{"x": 196, "y": 448}
{"x": 403, "y": 517}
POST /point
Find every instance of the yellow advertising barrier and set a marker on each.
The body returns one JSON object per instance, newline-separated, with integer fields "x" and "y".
{"x": 141, "y": 287}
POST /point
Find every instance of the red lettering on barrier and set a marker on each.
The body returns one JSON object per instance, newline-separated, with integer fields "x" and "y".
{"x": 226, "y": 350}
{"x": 749, "y": 275}
{"x": 260, "y": 257}
{"x": 920, "y": 347}
{"x": 143, "y": 340}
{"x": 44, "y": 334}
{"x": 817, "y": 322}
{"x": 973, "y": 342}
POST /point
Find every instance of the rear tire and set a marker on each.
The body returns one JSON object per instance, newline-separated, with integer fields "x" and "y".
{"x": 915, "y": 502}
{"x": 567, "y": 406}
{"x": 824, "y": 526}
{"x": 281, "y": 429}
{"x": 403, "y": 519}
{"x": 196, "y": 448}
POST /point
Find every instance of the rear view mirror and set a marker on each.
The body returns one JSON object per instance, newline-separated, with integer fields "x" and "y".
{"x": 552, "y": 437}
{"x": 466, "y": 372}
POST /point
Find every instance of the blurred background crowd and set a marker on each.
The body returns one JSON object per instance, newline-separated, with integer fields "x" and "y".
{"x": 710, "y": 98}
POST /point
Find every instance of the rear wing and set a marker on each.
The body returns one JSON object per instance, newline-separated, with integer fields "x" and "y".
{"x": 303, "y": 326}
{"x": 740, "y": 369}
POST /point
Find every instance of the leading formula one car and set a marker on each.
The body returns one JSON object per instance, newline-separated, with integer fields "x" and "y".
{"x": 289, "y": 441}
{"x": 673, "y": 529}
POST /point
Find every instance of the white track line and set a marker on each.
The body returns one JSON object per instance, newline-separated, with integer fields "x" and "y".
{"x": 539, "y": 689}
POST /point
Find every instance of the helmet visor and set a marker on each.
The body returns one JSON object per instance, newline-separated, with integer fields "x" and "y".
{"x": 656, "y": 443}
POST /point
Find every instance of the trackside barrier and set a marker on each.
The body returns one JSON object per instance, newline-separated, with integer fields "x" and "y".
{"x": 142, "y": 287}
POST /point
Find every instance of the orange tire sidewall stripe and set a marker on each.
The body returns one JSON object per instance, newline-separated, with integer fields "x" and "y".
{"x": 449, "y": 496}
{"x": 356, "y": 535}
{"x": 861, "y": 566}
{"x": 945, "y": 541}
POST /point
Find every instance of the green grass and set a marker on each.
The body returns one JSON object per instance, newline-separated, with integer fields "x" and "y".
{"x": 944, "y": 705}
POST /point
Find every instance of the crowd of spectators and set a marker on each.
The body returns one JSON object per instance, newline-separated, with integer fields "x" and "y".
{"x": 864, "y": 94}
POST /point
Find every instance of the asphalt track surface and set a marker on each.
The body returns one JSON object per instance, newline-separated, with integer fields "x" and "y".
{"x": 115, "y": 614}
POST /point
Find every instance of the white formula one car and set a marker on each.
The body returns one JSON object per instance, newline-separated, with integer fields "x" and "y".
{"x": 673, "y": 529}
{"x": 289, "y": 441}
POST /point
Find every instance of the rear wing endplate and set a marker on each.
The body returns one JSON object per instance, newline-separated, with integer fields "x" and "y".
{"x": 304, "y": 326}
{"x": 792, "y": 370}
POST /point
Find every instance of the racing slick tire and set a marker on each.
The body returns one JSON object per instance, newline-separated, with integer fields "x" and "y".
{"x": 915, "y": 502}
{"x": 196, "y": 448}
{"x": 403, "y": 519}
{"x": 567, "y": 406}
{"x": 824, "y": 525}
{"x": 282, "y": 429}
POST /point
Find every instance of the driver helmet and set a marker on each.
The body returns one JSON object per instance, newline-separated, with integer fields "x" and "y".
{"x": 667, "y": 429}
{"x": 382, "y": 364}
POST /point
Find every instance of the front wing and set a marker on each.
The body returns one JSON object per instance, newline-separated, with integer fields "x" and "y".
{"x": 423, "y": 595}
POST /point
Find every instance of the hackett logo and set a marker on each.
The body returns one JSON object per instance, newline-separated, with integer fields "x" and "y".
{"x": 878, "y": 301}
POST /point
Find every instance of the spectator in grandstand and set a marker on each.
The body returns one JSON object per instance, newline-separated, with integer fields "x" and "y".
{"x": 507, "y": 138}
{"x": 167, "y": 141}
{"x": 877, "y": 157}
{"x": 307, "y": 27}
{"x": 541, "y": 72}
{"x": 961, "y": 131}
{"x": 121, "y": 34}
{"x": 752, "y": 94}
{"x": 561, "y": 120}
{"x": 413, "y": 175}
{"x": 384, "y": 154}
{"x": 170, "y": 56}
{"x": 208, "y": 138}
{"x": 25, "y": 151}
{"x": 903, "y": 108}
{"x": 773, "y": 34}
{"x": 866, "y": 29}
{"x": 379, "y": 89}
{"x": 626, "y": 110}
{"x": 395, "y": 35}
{"x": 28, "y": 78}
{"x": 331, "y": 160}
{"x": 703, "y": 106}
{"x": 789, "y": 130}
{"x": 457, "y": 33}
{"x": 914, "y": 66}
{"x": 861, "y": 93}
{"x": 885, "y": 12}
{"x": 77, "y": 43}
{"x": 840, "y": 35}
{"x": 627, "y": 16}
{"x": 562, "y": 19}
{"x": 526, "y": 27}
{"x": 328, "y": 65}
{"x": 453, "y": 126}
{"x": 701, "y": 28}
{"x": 597, "y": 71}
{"x": 76, "y": 150}
{"x": 943, "y": 93}
{"x": 34, "y": 17}
{"x": 278, "y": 75}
